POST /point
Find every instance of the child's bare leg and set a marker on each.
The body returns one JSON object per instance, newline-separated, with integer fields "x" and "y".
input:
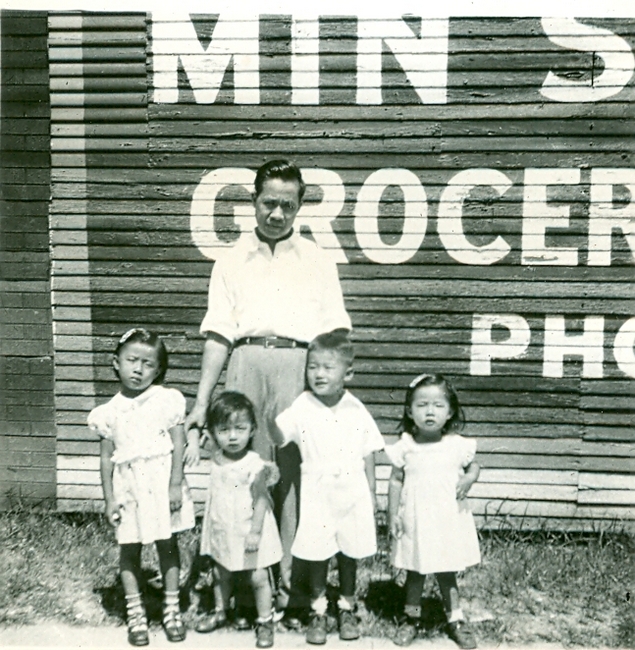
{"x": 347, "y": 570}
{"x": 170, "y": 562}
{"x": 450, "y": 596}
{"x": 262, "y": 592}
{"x": 222, "y": 594}
{"x": 130, "y": 568}
{"x": 414, "y": 589}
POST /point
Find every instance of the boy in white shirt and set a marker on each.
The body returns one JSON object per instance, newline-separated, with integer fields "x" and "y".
{"x": 337, "y": 438}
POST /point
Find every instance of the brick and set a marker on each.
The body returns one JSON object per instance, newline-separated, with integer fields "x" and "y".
{"x": 35, "y": 76}
{"x": 38, "y": 176}
{"x": 18, "y": 459}
{"x": 43, "y": 429}
{"x": 18, "y": 22}
{"x": 37, "y": 300}
{"x": 25, "y": 192}
{"x": 12, "y": 58}
{"x": 25, "y": 109}
{"x": 26, "y": 126}
{"x": 24, "y": 271}
{"x": 31, "y": 212}
{"x": 28, "y": 476}
{"x": 12, "y": 174}
{"x": 25, "y": 348}
{"x": 8, "y": 428}
{"x": 42, "y": 366}
{"x": 38, "y": 444}
{"x": 25, "y": 159}
{"x": 37, "y": 95}
{"x": 11, "y": 301}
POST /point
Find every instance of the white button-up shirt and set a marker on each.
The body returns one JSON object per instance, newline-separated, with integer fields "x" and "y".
{"x": 294, "y": 292}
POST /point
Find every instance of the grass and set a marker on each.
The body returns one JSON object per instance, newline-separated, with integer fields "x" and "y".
{"x": 531, "y": 587}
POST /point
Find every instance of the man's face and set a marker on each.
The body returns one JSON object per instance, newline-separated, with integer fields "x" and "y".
{"x": 276, "y": 207}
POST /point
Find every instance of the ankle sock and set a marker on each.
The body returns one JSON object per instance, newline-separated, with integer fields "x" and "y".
{"x": 412, "y": 611}
{"x": 319, "y": 605}
{"x": 346, "y": 603}
{"x": 455, "y": 615}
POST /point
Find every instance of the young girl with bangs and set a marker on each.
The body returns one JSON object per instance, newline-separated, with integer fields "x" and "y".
{"x": 431, "y": 525}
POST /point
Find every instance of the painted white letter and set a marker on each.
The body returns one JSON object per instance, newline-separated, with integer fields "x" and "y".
{"x": 589, "y": 345}
{"x": 305, "y": 60}
{"x": 174, "y": 38}
{"x": 538, "y": 215}
{"x": 367, "y": 216}
{"x": 624, "y": 348}
{"x": 424, "y": 59}
{"x": 604, "y": 217}
{"x": 449, "y": 222}
{"x": 203, "y": 203}
{"x": 318, "y": 217}
{"x": 616, "y": 53}
{"x": 484, "y": 349}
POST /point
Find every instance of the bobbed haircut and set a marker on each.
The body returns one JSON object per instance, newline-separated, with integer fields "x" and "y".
{"x": 225, "y": 406}
{"x": 456, "y": 421}
{"x": 282, "y": 169}
{"x": 337, "y": 341}
{"x": 142, "y": 335}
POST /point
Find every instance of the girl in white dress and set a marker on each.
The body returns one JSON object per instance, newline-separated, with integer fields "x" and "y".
{"x": 239, "y": 530}
{"x": 432, "y": 527}
{"x": 147, "y": 498}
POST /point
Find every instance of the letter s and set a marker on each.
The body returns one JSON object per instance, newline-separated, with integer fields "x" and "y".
{"x": 616, "y": 53}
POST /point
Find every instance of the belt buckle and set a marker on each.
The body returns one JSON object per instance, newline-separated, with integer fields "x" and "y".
{"x": 269, "y": 342}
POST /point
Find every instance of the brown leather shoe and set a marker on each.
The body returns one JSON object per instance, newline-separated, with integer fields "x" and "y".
{"x": 461, "y": 633}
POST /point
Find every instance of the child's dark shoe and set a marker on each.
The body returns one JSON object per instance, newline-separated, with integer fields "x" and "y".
{"x": 264, "y": 633}
{"x": 211, "y": 622}
{"x": 316, "y": 630}
{"x": 461, "y": 633}
{"x": 349, "y": 625}
{"x": 406, "y": 631}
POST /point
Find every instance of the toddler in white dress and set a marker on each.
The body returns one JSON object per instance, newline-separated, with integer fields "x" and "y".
{"x": 337, "y": 438}
{"x": 147, "y": 497}
{"x": 432, "y": 527}
{"x": 239, "y": 530}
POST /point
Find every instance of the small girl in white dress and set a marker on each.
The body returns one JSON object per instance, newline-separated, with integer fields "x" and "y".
{"x": 432, "y": 527}
{"x": 147, "y": 497}
{"x": 239, "y": 530}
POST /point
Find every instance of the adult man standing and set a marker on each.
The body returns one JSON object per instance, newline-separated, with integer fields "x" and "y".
{"x": 269, "y": 295}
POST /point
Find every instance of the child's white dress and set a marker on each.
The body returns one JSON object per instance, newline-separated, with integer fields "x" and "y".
{"x": 228, "y": 515}
{"x": 336, "y": 508}
{"x": 439, "y": 533}
{"x": 139, "y": 428}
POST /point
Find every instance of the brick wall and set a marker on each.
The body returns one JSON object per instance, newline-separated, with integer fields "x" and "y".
{"x": 27, "y": 430}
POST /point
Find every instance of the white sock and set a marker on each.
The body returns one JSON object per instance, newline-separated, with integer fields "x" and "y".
{"x": 456, "y": 615}
{"x": 319, "y": 605}
{"x": 344, "y": 604}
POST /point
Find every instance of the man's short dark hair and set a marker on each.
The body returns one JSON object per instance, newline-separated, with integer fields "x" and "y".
{"x": 337, "y": 341}
{"x": 282, "y": 169}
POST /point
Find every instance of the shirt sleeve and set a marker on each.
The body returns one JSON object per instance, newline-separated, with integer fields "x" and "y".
{"x": 288, "y": 424}
{"x": 173, "y": 404}
{"x": 396, "y": 454}
{"x": 220, "y": 316}
{"x": 98, "y": 422}
{"x": 333, "y": 311}
{"x": 373, "y": 440}
{"x": 467, "y": 450}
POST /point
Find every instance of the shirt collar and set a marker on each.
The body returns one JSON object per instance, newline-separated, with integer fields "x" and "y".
{"x": 288, "y": 244}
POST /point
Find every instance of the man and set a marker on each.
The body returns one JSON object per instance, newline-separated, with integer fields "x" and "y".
{"x": 269, "y": 296}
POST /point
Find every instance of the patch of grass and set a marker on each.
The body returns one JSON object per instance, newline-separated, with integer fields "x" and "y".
{"x": 531, "y": 586}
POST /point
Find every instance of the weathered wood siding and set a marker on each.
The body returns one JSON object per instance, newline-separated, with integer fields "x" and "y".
{"x": 466, "y": 204}
{"x": 27, "y": 421}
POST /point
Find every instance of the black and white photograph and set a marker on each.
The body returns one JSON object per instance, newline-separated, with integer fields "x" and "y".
{"x": 317, "y": 324}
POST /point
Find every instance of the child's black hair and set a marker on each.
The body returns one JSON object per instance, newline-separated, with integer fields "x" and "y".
{"x": 225, "y": 406}
{"x": 337, "y": 341}
{"x": 456, "y": 420}
{"x": 142, "y": 335}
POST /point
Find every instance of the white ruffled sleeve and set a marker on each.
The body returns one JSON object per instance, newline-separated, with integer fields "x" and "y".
{"x": 288, "y": 424}
{"x": 98, "y": 422}
{"x": 173, "y": 407}
{"x": 396, "y": 453}
{"x": 466, "y": 449}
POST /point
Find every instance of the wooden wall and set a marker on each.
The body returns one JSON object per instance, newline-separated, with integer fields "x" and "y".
{"x": 27, "y": 421}
{"x": 130, "y": 247}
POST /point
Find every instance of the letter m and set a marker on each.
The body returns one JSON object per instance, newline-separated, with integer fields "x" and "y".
{"x": 174, "y": 39}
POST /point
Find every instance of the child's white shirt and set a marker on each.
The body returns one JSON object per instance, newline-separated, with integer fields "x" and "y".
{"x": 336, "y": 512}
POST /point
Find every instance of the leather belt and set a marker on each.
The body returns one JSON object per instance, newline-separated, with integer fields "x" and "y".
{"x": 270, "y": 342}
